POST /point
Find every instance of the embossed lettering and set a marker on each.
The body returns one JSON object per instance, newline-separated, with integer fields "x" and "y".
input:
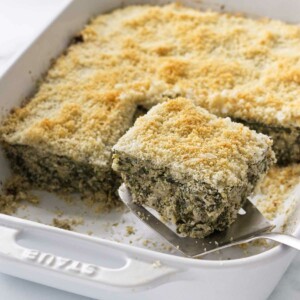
{"x": 90, "y": 270}
{"x": 31, "y": 254}
{"x": 62, "y": 263}
{"x": 75, "y": 267}
{"x": 57, "y": 262}
{"x": 48, "y": 259}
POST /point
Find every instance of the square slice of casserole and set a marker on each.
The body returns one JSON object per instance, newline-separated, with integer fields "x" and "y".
{"x": 62, "y": 139}
{"x": 194, "y": 168}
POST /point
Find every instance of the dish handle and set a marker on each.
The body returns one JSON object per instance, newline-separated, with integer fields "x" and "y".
{"x": 16, "y": 259}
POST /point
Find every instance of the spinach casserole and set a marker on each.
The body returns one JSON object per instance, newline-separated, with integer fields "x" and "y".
{"x": 134, "y": 58}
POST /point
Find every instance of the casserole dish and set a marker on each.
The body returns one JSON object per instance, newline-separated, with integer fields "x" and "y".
{"x": 102, "y": 268}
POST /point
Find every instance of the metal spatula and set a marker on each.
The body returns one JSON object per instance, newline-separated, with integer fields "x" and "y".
{"x": 248, "y": 227}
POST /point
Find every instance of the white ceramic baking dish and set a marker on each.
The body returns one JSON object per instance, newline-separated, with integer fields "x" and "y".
{"x": 101, "y": 267}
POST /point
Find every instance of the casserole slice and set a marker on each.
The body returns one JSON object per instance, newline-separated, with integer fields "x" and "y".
{"x": 194, "y": 168}
{"x": 62, "y": 139}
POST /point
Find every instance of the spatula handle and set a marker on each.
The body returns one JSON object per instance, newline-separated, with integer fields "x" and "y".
{"x": 285, "y": 239}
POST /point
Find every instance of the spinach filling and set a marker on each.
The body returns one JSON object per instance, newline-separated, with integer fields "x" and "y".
{"x": 59, "y": 173}
{"x": 197, "y": 208}
{"x": 286, "y": 141}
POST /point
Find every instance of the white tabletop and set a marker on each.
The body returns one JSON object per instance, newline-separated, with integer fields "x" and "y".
{"x": 20, "y": 20}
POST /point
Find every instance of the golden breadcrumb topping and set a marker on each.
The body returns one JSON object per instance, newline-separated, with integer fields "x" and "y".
{"x": 231, "y": 65}
{"x": 68, "y": 120}
{"x": 186, "y": 138}
{"x": 275, "y": 189}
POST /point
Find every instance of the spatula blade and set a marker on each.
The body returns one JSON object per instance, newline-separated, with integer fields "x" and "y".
{"x": 246, "y": 225}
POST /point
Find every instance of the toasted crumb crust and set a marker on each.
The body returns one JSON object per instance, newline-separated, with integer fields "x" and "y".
{"x": 231, "y": 65}
{"x": 186, "y": 138}
{"x": 275, "y": 189}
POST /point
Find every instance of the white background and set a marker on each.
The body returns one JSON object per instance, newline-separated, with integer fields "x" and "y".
{"x": 20, "y": 20}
